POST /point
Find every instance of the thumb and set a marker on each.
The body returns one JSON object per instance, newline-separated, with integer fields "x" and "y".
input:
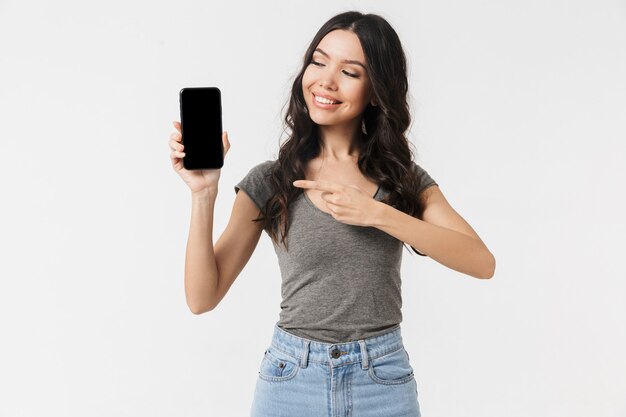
{"x": 226, "y": 142}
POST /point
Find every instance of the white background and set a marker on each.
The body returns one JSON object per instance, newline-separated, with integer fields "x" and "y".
{"x": 519, "y": 111}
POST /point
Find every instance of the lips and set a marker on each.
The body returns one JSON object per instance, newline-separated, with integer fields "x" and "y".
{"x": 335, "y": 101}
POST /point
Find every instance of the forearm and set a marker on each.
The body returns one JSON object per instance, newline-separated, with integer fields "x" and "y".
{"x": 201, "y": 273}
{"x": 453, "y": 249}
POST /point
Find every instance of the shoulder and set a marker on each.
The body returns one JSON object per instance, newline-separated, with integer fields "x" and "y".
{"x": 264, "y": 168}
{"x": 260, "y": 174}
{"x": 257, "y": 184}
{"x": 417, "y": 168}
{"x": 423, "y": 178}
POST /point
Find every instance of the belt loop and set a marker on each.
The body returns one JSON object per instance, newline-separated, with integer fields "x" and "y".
{"x": 305, "y": 354}
{"x": 364, "y": 358}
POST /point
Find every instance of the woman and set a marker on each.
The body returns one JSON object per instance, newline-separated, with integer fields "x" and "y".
{"x": 337, "y": 203}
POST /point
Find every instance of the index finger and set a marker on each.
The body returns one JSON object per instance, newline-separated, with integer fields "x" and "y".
{"x": 319, "y": 185}
{"x": 177, "y": 125}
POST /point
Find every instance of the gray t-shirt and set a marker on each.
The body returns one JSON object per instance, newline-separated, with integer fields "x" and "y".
{"x": 340, "y": 282}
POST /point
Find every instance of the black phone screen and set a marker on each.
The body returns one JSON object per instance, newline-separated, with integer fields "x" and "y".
{"x": 201, "y": 127}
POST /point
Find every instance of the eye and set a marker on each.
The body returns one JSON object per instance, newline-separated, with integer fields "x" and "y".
{"x": 349, "y": 74}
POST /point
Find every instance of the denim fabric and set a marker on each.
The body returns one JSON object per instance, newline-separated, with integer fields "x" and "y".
{"x": 299, "y": 377}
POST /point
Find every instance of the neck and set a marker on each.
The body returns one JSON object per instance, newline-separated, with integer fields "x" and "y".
{"x": 339, "y": 143}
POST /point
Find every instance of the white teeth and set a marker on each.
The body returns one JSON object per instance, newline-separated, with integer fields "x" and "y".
{"x": 325, "y": 100}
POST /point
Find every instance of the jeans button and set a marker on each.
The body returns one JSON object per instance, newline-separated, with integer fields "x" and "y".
{"x": 335, "y": 353}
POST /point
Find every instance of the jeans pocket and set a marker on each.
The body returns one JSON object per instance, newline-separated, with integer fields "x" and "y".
{"x": 391, "y": 368}
{"x": 277, "y": 366}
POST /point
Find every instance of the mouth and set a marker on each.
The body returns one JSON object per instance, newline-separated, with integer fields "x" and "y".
{"x": 324, "y": 101}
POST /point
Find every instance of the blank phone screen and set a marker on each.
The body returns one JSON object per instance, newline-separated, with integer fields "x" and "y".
{"x": 201, "y": 127}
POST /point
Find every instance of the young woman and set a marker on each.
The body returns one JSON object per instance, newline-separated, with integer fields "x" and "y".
{"x": 338, "y": 203}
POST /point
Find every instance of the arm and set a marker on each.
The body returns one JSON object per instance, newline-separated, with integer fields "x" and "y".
{"x": 442, "y": 234}
{"x": 200, "y": 265}
{"x": 209, "y": 271}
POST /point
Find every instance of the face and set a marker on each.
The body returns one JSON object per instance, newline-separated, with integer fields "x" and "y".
{"x": 335, "y": 73}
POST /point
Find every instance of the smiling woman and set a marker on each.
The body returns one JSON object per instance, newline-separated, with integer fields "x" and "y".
{"x": 342, "y": 198}
{"x": 336, "y": 83}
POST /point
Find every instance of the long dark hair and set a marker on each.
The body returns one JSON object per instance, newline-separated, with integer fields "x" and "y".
{"x": 384, "y": 151}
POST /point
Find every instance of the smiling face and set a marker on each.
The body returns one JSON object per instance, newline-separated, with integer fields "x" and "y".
{"x": 337, "y": 76}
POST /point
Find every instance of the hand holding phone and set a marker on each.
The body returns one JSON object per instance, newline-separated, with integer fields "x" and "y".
{"x": 197, "y": 179}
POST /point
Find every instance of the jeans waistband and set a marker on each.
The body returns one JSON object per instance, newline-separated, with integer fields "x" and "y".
{"x": 336, "y": 354}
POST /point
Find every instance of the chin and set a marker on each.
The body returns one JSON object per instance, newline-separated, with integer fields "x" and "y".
{"x": 321, "y": 121}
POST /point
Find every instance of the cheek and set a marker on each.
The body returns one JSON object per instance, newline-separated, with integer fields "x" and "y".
{"x": 306, "y": 79}
{"x": 357, "y": 93}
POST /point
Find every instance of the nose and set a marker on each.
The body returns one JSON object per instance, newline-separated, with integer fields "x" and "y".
{"x": 327, "y": 81}
{"x": 327, "y": 85}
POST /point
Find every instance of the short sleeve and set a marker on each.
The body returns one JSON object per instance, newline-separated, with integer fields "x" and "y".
{"x": 257, "y": 184}
{"x": 424, "y": 180}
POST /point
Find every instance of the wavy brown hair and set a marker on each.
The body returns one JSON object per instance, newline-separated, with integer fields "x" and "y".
{"x": 384, "y": 151}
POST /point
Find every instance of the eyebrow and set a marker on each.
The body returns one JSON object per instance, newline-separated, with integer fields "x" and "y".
{"x": 347, "y": 61}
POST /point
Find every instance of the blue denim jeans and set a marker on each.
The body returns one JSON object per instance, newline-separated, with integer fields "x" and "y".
{"x": 299, "y": 377}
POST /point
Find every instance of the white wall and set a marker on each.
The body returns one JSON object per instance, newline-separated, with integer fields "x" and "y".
{"x": 519, "y": 115}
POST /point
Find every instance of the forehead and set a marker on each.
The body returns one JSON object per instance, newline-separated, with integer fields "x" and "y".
{"x": 342, "y": 44}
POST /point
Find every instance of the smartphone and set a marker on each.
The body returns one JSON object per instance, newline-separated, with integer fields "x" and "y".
{"x": 201, "y": 127}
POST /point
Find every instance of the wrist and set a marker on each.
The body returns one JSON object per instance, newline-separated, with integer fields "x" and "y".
{"x": 209, "y": 193}
{"x": 379, "y": 213}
